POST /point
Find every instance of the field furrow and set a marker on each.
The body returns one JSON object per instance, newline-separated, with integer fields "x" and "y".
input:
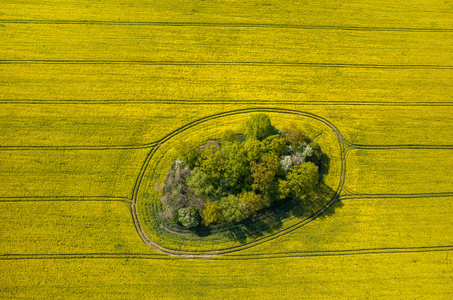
{"x": 141, "y": 124}
{"x": 369, "y": 223}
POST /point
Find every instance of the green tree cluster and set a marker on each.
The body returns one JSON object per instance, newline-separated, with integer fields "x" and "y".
{"x": 234, "y": 178}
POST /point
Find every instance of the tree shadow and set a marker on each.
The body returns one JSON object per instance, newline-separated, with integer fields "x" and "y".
{"x": 324, "y": 166}
{"x": 322, "y": 203}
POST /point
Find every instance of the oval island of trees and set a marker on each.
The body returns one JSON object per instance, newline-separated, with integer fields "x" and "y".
{"x": 240, "y": 175}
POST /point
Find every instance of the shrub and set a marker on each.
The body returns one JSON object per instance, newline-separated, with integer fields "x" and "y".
{"x": 286, "y": 163}
{"x": 188, "y": 217}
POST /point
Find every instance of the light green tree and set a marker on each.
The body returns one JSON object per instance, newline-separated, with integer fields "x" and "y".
{"x": 211, "y": 214}
{"x": 213, "y": 162}
{"x": 236, "y": 164}
{"x": 299, "y": 182}
{"x": 188, "y": 217}
{"x": 259, "y": 127}
{"x": 253, "y": 202}
{"x": 254, "y": 150}
{"x": 189, "y": 152}
{"x": 275, "y": 143}
{"x": 232, "y": 208}
{"x": 199, "y": 183}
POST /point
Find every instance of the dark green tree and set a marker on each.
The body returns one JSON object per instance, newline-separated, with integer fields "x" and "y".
{"x": 264, "y": 173}
{"x": 317, "y": 153}
{"x": 294, "y": 136}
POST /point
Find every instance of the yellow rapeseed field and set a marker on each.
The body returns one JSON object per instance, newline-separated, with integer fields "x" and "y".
{"x": 95, "y": 95}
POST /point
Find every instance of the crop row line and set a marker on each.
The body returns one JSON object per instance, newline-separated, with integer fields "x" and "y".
{"x": 66, "y": 198}
{"x": 220, "y": 102}
{"x": 224, "y": 63}
{"x": 223, "y": 24}
{"x": 81, "y": 147}
{"x": 338, "y": 252}
{"x": 255, "y": 256}
{"x": 400, "y": 147}
{"x": 402, "y": 196}
{"x": 153, "y": 144}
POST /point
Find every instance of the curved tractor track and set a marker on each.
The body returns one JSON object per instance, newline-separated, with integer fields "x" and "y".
{"x": 345, "y": 148}
{"x": 205, "y": 254}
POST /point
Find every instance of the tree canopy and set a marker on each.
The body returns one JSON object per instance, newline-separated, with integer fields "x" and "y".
{"x": 259, "y": 127}
{"x": 235, "y": 178}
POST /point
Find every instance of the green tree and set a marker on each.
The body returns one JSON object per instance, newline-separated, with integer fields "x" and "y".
{"x": 254, "y": 149}
{"x": 189, "y": 152}
{"x": 299, "y": 182}
{"x": 294, "y": 135}
{"x": 253, "y": 202}
{"x": 259, "y": 127}
{"x": 275, "y": 143}
{"x": 229, "y": 135}
{"x": 317, "y": 153}
{"x": 211, "y": 214}
{"x": 188, "y": 217}
{"x": 233, "y": 209}
{"x": 213, "y": 162}
{"x": 264, "y": 173}
{"x": 199, "y": 183}
{"x": 236, "y": 164}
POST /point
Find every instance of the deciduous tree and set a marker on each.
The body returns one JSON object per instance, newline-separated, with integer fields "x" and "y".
{"x": 259, "y": 127}
{"x": 236, "y": 164}
{"x": 275, "y": 143}
{"x": 254, "y": 150}
{"x": 264, "y": 173}
{"x": 300, "y": 181}
{"x": 213, "y": 162}
{"x": 189, "y": 152}
{"x": 232, "y": 209}
{"x": 253, "y": 202}
{"x": 211, "y": 214}
{"x": 188, "y": 217}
